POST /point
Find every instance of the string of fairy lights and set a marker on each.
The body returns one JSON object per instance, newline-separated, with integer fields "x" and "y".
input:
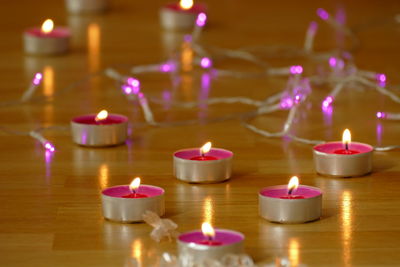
{"x": 342, "y": 72}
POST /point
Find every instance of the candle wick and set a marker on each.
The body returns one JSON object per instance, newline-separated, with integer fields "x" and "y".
{"x": 134, "y": 192}
{"x": 290, "y": 191}
{"x": 346, "y": 146}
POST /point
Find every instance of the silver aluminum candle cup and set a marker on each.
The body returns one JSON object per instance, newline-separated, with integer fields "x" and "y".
{"x": 275, "y": 209}
{"x": 208, "y": 171}
{"x": 341, "y": 165}
{"x": 232, "y": 244}
{"x": 86, "y": 6}
{"x": 98, "y": 135}
{"x": 178, "y": 20}
{"x": 46, "y": 45}
{"x": 129, "y": 210}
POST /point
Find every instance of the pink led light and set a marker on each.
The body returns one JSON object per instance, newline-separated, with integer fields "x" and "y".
{"x": 205, "y": 63}
{"x": 48, "y": 146}
{"x": 322, "y": 13}
{"x": 298, "y": 98}
{"x": 297, "y": 69}
{"x": 327, "y": 102}
{"x": 332, "y": 62}
{"x": 381, "y": 115}
{"x": 168, "y": 67}
{"x": 381, "y": 77}
{"x": 286, "y": 103}
{"x": 201, "y": 20}
{"x": 37, "y": 79}
{"x": 127, "y": 89}
{"x": 141, "y": 95}
{"x": 133, "y": 82}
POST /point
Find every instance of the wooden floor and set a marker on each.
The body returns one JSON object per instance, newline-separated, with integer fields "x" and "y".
{"x": 50, "y": 210}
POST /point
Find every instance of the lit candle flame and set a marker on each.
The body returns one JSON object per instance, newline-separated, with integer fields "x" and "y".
{"x": 208, "y": 231}
{"x": 186, "y": 4}
{"x": 293, "y": 184}
{"x": 102, "y": 115}
{"x": 47, "y": 26}
{"x": 205, "y": 148}
{"x": 346, "y": 138}
{"x": 135, "y": 184}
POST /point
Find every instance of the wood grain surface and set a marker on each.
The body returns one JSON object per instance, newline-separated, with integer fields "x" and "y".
{"x": 50, "y": 209}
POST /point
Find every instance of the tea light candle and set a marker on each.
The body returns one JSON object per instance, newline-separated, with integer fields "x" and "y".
{"x": 343, "y": 159}
{"x": 86, "y": 6}
{"x": 209, "y": 243}
{"x": 290, "y": 204}
{"x": 46, "y": 40}
{"x": 127, "y": 203}
{"x": 180, "y": 16}
{"x": 98, "y": 130}
{"x": 204, "y": 165}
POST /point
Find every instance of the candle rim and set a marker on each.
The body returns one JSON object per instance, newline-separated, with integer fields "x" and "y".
{"x": 317, "y": 148}
{"x": 105, "y": 192}
{"x": 77, "y": 119}
{"x": 36, "y": 31}
{"x": 241, "y": 237}
{"x": 177, "y": 154}
{"x": 261, "y": 193}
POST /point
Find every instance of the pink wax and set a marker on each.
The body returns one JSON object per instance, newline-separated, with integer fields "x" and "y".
{"x": 345, "y": 152}
{"x": 222, "y": 238}
{"x": 281, "y": 191}
{"x": 195, "y": 9}
{"x": 58, "y": 32}
{"x": 90, "y": 119}
{"x": 135, "y": 195}
{"x": 292, "y": 197}
{"x": 194, "y": 154}
{"x": 122, "y": 191}
{"x": 338, "y": 148}
{"x": 202, "y": 158}
{"x": 209, "y": 243}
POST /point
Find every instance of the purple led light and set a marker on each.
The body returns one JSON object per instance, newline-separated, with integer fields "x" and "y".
{"x": 165, "y": 68}
{"x": 133, "y": 82}
{"x": 327, "y": 110}
{"x": 297, "y": 69}
{"x": 37, "y": 79}
{"x": 48, "y": 146}
{"x": 168, "y": 67}
{"x": 127, "y": 89}
{"x": 201, "y": 20}
{"x": 381, "y": 115}
{"x": 327, "y": 102}
{"x": 205, "y": 63}
{"x": 322, "y": 13}
{"x": 297, "y": 98}
{"x": 286, "y": 103}
{"x": 332, "y": 62}
{"x": 141, "y": 95}
{"x": 381, "y": 77}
